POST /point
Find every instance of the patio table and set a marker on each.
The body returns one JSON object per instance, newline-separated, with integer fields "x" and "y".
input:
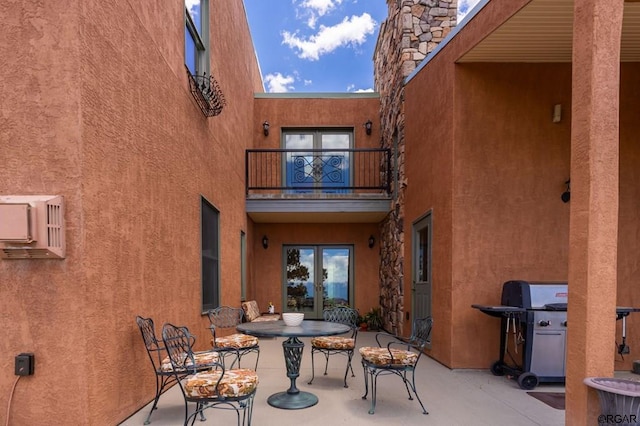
{"x": 293, "y": 398}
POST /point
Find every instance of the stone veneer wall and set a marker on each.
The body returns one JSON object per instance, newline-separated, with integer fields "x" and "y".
{"x": 413, "y": 28}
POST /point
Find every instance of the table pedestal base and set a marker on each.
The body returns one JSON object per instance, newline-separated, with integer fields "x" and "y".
{"x": 292, "y": 401}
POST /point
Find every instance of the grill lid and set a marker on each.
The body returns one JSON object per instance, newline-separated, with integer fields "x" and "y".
{"x": 556, "y": 306}
{"x": 533, "y": 295}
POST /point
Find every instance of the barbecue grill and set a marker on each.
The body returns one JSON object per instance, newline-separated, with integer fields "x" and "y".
{"x": 534, "y": 314}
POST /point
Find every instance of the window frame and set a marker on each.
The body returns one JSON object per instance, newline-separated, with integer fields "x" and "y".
{"x": 317, "y": 134}
{"x": 210, "y": 251}
{"x": 200, "y": 39}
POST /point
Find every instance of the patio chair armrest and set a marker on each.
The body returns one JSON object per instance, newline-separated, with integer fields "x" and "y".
{"x": 386, "y": 335}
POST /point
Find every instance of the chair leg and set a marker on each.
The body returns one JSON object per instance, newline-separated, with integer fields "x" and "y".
{"x": 406, "y": 384}
{"x": 257, "y": 358}
{"x": 350, "y": 356}
{"x": 161, "y": 383}
{"x": 313, "y": 368}
{"x": 413, "y": 386}
{"x": 374, "y": 391}
{"x": 366, "y": 381}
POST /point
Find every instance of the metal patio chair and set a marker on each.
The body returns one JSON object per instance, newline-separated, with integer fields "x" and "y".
{"x": 156, "y": 352}
{"x": 215, "y": 387}
{"x": 332, "y": 345}
{"x": 237, "y": 344}
{"x": 161, "y": 364}
{"x": 399, "y": 356}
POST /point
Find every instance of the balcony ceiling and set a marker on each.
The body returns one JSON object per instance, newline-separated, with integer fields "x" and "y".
{"x": 301, "y": 210}
{"x": 542, "y": 31}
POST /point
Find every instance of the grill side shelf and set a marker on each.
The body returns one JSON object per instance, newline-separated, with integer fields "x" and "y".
{"x": 499, "y": 310}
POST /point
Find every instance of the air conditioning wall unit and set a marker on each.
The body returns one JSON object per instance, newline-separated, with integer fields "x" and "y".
{"x": 32, "y": 227}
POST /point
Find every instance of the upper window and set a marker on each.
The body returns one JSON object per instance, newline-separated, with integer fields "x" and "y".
{"x": 210, "y": 256}
{"x": 196, "y": 36}
{"x": 318, "y": 158}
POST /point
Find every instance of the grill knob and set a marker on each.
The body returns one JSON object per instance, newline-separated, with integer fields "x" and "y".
{"x": 563, "y": 323}
{"x": 543, "y": 323}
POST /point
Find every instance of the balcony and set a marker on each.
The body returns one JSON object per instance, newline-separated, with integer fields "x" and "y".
{"x": 318, "y": 185}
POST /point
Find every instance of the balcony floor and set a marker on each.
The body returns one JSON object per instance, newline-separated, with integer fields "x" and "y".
{"x": 452, "y": 397}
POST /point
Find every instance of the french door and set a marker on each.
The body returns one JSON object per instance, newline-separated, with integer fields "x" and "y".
{"x": 317, "y": 277}
{"x": 313, "y": 166}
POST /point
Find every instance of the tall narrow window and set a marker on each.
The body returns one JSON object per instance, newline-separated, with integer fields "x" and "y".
{"x": 196, "y": 36}
{"x": 210, "y": 256}
{"x": 243, "y": 266}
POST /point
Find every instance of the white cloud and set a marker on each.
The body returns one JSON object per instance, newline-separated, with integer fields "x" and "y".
{"x": 369, "y": 90}
{"x": 308, "y": 82}
{"x": 321, "y": 7}
{"x": 351, "y": 31}
{"x": 464, "y": 6}
{"x": 278, "y": 83}
{"x": 192, "y": 6}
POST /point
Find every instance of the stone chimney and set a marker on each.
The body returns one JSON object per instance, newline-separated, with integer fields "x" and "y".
{"x": 413, "y": 28}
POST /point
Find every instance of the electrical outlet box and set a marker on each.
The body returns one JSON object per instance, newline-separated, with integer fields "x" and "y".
{"x": 25, "y": 364}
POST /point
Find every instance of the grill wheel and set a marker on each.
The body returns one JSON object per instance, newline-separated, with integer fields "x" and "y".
{"x": 497, "y": 368}
{"x": 528, "y": 381}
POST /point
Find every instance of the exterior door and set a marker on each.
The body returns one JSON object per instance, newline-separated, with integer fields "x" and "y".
{"x": 317, "y": 277}
{"x": 422, "y": 267}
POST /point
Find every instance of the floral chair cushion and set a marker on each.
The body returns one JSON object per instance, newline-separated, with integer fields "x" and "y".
{"x": 251, "y": 311}
{"x": 380, "y": 356}
{"x": 202, "y": 359}
{"x": 333, "y": 342}
{"x": 235, "y": 383}
{"x": 267, "y": 317}
{"x": 236, "y": 341}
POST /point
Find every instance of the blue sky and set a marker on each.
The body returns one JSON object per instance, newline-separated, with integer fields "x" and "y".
{"x": 318, "y": 45}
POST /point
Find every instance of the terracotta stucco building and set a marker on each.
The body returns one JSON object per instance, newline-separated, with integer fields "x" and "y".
{"x": 177, "y": 199}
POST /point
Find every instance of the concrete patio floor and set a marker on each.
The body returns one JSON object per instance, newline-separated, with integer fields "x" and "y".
{"x": 452, "y": 397}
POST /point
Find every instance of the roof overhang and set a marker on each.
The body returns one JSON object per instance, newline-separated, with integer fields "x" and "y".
{"x": 542, "y": 31}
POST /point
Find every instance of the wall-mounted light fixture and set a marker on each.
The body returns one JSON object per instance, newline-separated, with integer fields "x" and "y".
{"x": 368, "y": 126}
{"x": 566, "y": 195}
{"x": 265, "y": 128}
{"x": 372, "y": 241}
{"x": 557, "y": 113}
{"x": 265, "y": 242}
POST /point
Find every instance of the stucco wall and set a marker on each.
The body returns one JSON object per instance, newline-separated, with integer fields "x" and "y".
{"x": 120, "y": 137}
{"x": 496, "y": 169}
{"x": 268, "y": 264}
{"x": 629, "y": 223}
{"x": 309, "y": 110}
{"x": 510, "y": 167}
{"x": 316, "y": 110}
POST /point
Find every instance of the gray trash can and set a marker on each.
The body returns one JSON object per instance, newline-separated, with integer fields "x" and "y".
{"x": 619, "y": 400}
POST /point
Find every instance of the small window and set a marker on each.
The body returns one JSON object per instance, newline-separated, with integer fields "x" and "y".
{"x": 210, "y": 256}
{"x": 196, "y": 36}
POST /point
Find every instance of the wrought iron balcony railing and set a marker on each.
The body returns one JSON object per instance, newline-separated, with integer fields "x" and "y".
{"x": 315, "y": 171}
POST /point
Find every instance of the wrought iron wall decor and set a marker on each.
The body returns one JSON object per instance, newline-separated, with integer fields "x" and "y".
{"x": 318, "y": 168}
{"x": 207, "y": 93}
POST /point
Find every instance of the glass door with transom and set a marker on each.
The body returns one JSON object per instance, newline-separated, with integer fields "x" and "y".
{"x": 422, "y": 237}
{"x": 312, "y": 165}
{"x": 317, "y": 277}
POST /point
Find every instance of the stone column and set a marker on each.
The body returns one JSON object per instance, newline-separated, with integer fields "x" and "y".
{"x": 413, "y": 28}
{"x": 593, "y": 231}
